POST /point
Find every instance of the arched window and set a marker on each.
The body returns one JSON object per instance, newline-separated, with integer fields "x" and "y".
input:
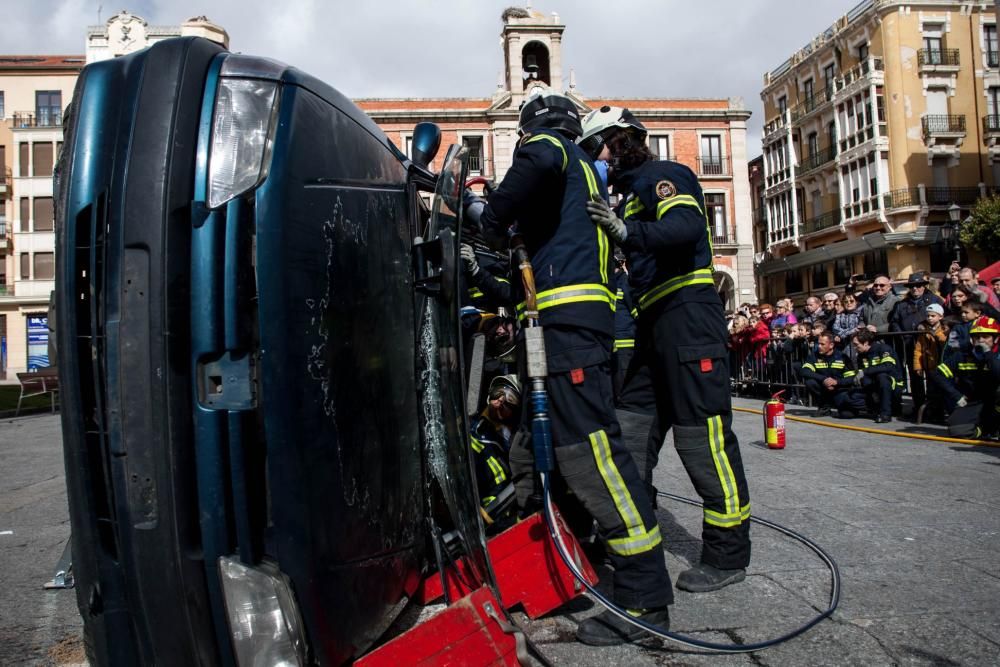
{"x": 535, "y": 64}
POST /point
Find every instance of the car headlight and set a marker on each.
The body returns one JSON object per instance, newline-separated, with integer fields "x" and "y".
{"x": 243, "y": 125}
{"x": 263, "y": 618}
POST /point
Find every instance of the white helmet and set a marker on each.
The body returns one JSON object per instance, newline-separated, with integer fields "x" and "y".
{"x": 598, "y": 121}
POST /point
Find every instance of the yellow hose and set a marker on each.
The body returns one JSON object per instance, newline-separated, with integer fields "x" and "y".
{"x": 879, "y": 431}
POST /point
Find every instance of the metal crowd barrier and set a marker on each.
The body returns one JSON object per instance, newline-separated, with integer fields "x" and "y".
{"x": 766, "y": 370}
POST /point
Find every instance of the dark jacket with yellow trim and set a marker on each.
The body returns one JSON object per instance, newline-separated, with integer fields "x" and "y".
{"x": 668, "y": 244}
{"x": 834, "y": 365}
{"x": 625, "y": 313}
{"x": 961, "y": 374}
{"x": 491, "y": 288}
{"x": 489, "y": 456}
{"x": 880, "y": 359}
{"x": 546, "y": 192}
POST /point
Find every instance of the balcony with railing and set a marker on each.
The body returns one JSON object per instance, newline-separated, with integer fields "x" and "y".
{"x": 940, "y": 125}
{"x": 862, "y": 209}
{"x": 3, "y": 232}
{"x": 864, "y": 73}
{"x": 811, "y": 103}
{"x": 902, "y": 198}
{"x": 714, "y": 166}
{"x": 816, "y": 160}
{"x": 4, "y": 181}
{"x": 993, "y": 58}
{"x": 991, "y": 127}
{"x": 949, "y": 196}
{"x": 29, "y": 120}
{"x": 475, "y": 163}
{"x": 782, "y": 235}
{"x": 938, "y": 59}
{"x": 821, "y": 222}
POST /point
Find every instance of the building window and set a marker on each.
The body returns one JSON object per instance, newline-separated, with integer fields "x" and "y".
{"x": 831, "y": 135}
{"x": 25, "y": 266}
{"x": 819, "y": 276}
{"x": 993, "y": 101}
{"x": 3, "y": 115}
{"x": 475, "y": 146}
{"x": 933, "y": 43}
{"x": 715, "y": 205}
{"x": 875, "y": 262}
{"x": 48, "y": 108}
{"x": 41, "y": 156}
{"x": 659, "y": 146}
{"x": 842, "y": 270}
{"x": 45, "y": 265}
{"x": 43, "y": 218}
{"x": 863, "y": 52}
{"x": 23, "y": 152}
{"x": 782, "y": 104}
{"x": 793, "y": 281}
{"x": 989, "y": 46}
{"x": 813, "y": 143}
{"x": 25, "y": 215}
{"x": 408, "y": 146}
{"x": 829, "y": 72}
{"x": 711, "y": 154}
{"x": 807, "y": 91}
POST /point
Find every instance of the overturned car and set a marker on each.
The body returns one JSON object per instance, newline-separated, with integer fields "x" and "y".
{"x": 263, "y": 406}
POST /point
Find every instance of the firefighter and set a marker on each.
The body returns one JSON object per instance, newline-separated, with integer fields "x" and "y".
{"x": 879, "y": 375}
{"x": 682, "y": 333}
{"x": 969, "y": 379}
{"x": 545, "y": 191}
{"x": 487, "y": 279}
{"x": 491, "y": 434}
{"x": 829, "y": 377}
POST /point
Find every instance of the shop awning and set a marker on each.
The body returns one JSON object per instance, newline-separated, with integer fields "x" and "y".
{"x": 827, "y": 253}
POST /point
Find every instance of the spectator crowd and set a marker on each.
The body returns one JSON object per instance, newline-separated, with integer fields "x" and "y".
{"x": 854, "y": 353}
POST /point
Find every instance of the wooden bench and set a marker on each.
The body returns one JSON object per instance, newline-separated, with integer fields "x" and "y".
{"x": 43, "y": 381}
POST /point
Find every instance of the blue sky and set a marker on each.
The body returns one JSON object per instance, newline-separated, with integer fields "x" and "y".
{"x": 423, "y": 48}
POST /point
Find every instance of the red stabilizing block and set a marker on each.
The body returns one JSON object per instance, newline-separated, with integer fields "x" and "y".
{"x": 527, "y": 566}
{"x": 462, "y": 634}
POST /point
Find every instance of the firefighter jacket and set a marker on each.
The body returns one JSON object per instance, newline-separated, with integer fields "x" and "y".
{"x": 625, "y": 314}
{"x": 669, "y": 244}
{"x": 489, "y": 456}
{"x": 491, "y": 288}
{"x": 835, "y": 365}
{"x": 961, "y": 374}
{"x": 545, "y": 192}
{"x": 881, "y": 359}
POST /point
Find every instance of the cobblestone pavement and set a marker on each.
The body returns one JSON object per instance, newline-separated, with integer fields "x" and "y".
{"x": 914, "y": 526}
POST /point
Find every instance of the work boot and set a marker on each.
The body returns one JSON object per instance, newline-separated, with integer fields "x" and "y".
{"x": 824, "y": 411}
{"x": 703, "y": 578}
{"x": 606, "y": 629}
{"x": 883, "y": 419}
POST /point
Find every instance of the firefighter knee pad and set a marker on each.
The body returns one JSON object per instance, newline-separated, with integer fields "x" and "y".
{"x": 579, "y": 469}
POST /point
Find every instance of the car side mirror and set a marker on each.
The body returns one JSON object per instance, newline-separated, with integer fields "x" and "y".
{"x": 425, "y": 143}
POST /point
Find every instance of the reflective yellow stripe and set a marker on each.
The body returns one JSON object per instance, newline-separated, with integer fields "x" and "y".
{"x": 476, "y": 445}
{"x": 496, "y": 469}
{"x": 501, "y": 280}
{"x": 717, "y": 445}
{"x": 727, "y": 520}
{"x": 475, "y": 293}
{"x": 696, "y": 277}
{"x": 886, "y": 359}
{"x": 485, "y": 502}
{"x": 551, "y": 140}
{"x": 559, "y": 296}
{"x": 676, "y": 200}
{"x": 837, "y": 364}
{"x": 966, "y": 366}
{"x": 850, "y": 374}
{"x": 624, "y": 343}
{"x": 808, "y": 366}
{"x": 634, "y": 313}
{"x": 602, "y": 236}
{"x": 631, "y": 546}
{"x": 619, "y": 295}
{"x": 616, "y": 485}
{"x": 945, "y": 371}
{"x": 634, "y": 207}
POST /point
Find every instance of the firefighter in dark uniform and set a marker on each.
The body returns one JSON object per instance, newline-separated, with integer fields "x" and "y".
{"x": 490, "y": 436}
{"x": 682, "y": 333}
{"x": 829, "y": 377}
{"x": 970, "y": 380}
{"x": 487, "y": 279}
{"x": 545, "y": 192}
{"x": 879, "y": 374}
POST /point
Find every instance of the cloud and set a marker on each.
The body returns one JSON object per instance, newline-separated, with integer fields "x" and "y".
{"x": 430, "y": 48}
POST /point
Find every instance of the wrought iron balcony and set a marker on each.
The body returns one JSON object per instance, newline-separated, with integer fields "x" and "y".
{"x": 993, "y": 59}
{"x": 817, "y": 159}
{"x": 713, "y": 166}
{"x": 3, "y": 228}
{"x": 726, "y": 238}
{"x": 935, "y": 57}
{"x": 26, "y": 119}
{"x": 991, "y": 124}
{"x": 821, "y": 222}
{"x": 949, "y": 196}
{"x": 4, "y": 181}
{"x": 901, "y": 198}
{"x": 475, "y": 163}
{"x": 858, "y": 72}
{"x": 941, "y": 124}
{"x": 810, "y": 104}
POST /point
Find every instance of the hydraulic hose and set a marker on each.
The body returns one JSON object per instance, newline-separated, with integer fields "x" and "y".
{"x": 880, "y": 431}
{"x": 684, "y": 640}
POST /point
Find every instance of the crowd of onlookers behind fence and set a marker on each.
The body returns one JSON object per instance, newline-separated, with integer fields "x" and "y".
{"x": 770, "y": 342}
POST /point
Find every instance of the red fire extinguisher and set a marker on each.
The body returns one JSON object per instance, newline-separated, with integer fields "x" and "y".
{"x": 774, "y": 422}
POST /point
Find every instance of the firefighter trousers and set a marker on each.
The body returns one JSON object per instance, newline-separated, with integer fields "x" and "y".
{"x": 685, "y": 350}
{"x": 596, "y": 467}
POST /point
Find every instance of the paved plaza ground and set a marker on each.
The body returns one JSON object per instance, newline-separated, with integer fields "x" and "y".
{"x": 914, "y": 526}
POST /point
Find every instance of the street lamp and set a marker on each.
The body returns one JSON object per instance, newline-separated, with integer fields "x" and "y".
{"x": 950, "y": 232}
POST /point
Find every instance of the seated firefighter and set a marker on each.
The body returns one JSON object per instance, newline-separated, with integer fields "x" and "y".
{"x": 879, "y": 375}
{"x": 490, "y": 435}
{"x": 969, "y": 379}
{"x": 829, "y": 377}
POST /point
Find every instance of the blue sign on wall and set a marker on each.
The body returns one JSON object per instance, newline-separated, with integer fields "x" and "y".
{"x": 38, "y": 342}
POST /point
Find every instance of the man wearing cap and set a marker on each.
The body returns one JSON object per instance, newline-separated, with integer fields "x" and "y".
{"x": 907, "y": 316}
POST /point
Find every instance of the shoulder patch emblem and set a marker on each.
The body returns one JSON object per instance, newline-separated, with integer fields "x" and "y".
{"x": 665, "y": 189}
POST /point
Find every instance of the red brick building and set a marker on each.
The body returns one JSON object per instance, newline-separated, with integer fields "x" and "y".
{"x": 707, "y": 135}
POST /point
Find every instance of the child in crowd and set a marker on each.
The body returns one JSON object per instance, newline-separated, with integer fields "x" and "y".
{"x": 847, "y": 322}
{"x": 928, "y": 348}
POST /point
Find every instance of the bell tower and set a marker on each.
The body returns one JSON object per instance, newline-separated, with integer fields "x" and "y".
{"x": 532, "y": 49}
